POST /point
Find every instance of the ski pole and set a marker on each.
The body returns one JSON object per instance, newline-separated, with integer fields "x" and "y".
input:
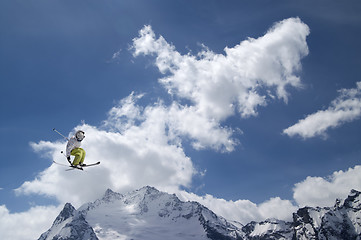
{"x": 60, "y": 134}
{"x": 66, "y": 139}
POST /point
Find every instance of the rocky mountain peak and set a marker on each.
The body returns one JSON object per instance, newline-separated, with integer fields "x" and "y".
{"x": 70, "y": 224}
{"x": 67, "y": 212}
{"x": 110, "y": 195}
{"x": 353, "y": 201}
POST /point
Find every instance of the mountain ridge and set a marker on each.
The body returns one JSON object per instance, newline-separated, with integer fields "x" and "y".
{"x": 148, "y": 213}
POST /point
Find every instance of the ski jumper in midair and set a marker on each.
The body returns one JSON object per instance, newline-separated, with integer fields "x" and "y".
{"x": 73, "y": 148}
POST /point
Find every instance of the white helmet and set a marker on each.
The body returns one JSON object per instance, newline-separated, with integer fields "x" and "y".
{"x": 79, "y": 135}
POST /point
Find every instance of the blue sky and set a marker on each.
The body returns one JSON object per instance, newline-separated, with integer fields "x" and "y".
{"x": 76, "y": 64}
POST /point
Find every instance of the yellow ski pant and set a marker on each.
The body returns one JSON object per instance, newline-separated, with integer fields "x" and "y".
{"x": 79, "y": 154}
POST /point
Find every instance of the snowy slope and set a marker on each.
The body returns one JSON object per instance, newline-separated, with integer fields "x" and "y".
{"x": 269, "y": 229}
{"x": 148, "y": 214}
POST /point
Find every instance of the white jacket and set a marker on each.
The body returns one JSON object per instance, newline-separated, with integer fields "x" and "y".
{"x": 72, "y": 143}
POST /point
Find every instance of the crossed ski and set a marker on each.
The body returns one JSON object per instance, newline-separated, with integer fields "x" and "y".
{"x": 77, "y": 167}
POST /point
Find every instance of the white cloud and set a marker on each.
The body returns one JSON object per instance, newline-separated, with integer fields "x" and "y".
{"x": 116, "y": 54}
{"x": 187, "y": 121}
{"x": 139, "y": 156}
{"x": 277, "y": 208}
{"x": 26, "y": 225}
{"x": 115, "y": 57}
{"x": 345, "y": 108}
{"x": 218, "y": 84}
{"x": 244, "y": 211}
{"x": 125, "y": 115}
{"x": 173, "y": 123}
{"x": 318, "y": 191}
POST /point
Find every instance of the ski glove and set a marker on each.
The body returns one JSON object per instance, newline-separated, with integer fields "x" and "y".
{"x": 68, "y": 158}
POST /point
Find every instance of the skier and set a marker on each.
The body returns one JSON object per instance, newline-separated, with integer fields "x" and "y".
{"x": 73, "y": 148}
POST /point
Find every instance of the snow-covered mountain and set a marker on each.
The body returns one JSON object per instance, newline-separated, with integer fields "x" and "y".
{"x": 150, "y": 214}
{"x": 142, "y": 214}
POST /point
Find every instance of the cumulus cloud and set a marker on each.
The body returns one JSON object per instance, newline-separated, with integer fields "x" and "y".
{"x": 26, "y": 225}
{"x": 139, "y": 156}
{"x": 238, "y": 81}
{"x": 318, "y": 191}
{"x": 244, "y": 211}
{"x": 345, "y": 108}
{"x": 173, "y": 123}
{"x": 277, "y": 208}
{"x": 219, "y": 85}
